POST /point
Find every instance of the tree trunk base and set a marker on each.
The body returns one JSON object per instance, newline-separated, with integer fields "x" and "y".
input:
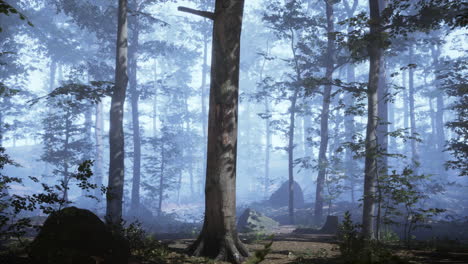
{"x": 227, "y": 248}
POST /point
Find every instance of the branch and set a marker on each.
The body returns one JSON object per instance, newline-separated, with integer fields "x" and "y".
{"x": 205, "y": 14}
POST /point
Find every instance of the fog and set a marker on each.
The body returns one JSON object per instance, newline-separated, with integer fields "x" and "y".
{"x": 61, "y": 71}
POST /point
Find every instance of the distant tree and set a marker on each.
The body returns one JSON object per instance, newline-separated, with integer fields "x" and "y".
{"x": 452, "y": 78}
{"x": 162, "y": 165}
{"x": 291, "y": 23}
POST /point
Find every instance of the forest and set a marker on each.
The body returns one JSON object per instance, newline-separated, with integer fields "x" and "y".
{"x": 232, "y": 131}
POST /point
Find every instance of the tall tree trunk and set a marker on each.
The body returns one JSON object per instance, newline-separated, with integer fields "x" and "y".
{"x": 99, "y": 164}
{"x": 291, "y": 155}
{"x": 133, "y": 83}
{"x": 266, "y": 105}
{"x": 204, "y": 114}
{"x": 161, "y": 178}
{"x": 190, "y": 147}
{"x": 219, "y": 237}
{"x": 349, "y": 132}
{"x": 414, "y": 147}
{"x": 155, "y": 99}
{"x": 349, "y": 125}
{"x": 439, "y": 115}
{"x": 65, "y": 159}
{"x": 116, "y": 134}
{"x": 370, "y": 173}
{"x": 405, "y": 107}
{"x": 322, "y": 158}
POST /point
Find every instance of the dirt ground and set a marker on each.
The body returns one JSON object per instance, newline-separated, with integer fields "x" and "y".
{"x": 292, "y": 248}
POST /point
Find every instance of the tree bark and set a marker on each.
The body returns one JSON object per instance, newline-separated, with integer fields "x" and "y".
{"x": 218, "y": 238}
{"x": 116, "y": 134}
{"x": 322, "y": 158}
{"x": 133, "y": 83}
{"x": 370, "y": 173}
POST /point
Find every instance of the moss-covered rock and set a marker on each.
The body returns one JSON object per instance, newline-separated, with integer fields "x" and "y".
{"x": 280, "y": 197}
{"x": 77, "y": 236}
{"x": 253, "y": 221}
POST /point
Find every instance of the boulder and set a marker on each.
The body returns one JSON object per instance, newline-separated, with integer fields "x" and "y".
{"x": 253, "y": 221}
{"x": 77, "y": 236}
{"x": 280, "y": 197}
{"x": 330, "y": 227}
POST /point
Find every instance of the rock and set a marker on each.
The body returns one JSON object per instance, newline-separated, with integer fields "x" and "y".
{"x": 331, "y": 225}
{"x": 280, "y": 197}
{"x": 253, "y": 221}
{"x": 74, "y": 235}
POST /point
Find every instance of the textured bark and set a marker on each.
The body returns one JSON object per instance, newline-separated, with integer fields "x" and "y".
{"x": 322, "y": 158}
{"x": 116, "y": 135}
{"x": 133, "y": 85}
{"x": 370, "y": 173}
{"x": 218, "y": 238}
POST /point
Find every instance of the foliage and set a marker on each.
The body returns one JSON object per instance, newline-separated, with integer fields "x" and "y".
{"x": 8, "y": 9}
{"x": 260, "y": 255}
{"x": 452, "y": 76}
{"x": 355, "y": 249}
{"x": 401, "y": 196}
{"x": 13, "y": 209}
{"x": 144, "y": 246}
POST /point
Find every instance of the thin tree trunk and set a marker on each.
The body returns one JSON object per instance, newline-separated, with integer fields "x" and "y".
{"x": 219, "y": 237}
{"x": 414, "y": 148}
{"x": 116, "y": 134}
{"x": 349, "y": 132}
{"x": 99, "y": 164}
{"x": 370, "y": 173}
{"x": 155, "y": 100}
{"x": 133, "y": 83}
{"x": 291, "y": 155}
{"x": 322, "y": 159}
{"x": 405, "y": 108}
{"x": 439, "y": 116}
{"x": 65, "y": 160}
{"x": 161, "y": 179}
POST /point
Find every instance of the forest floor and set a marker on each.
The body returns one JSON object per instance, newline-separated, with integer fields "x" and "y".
{"x": 289, "y": 247}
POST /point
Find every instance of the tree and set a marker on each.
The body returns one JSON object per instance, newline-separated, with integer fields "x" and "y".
{"x": 218, "y": 237}
{"x": 116, "y": 135}
{"x": 370, "y": 173}
{"x": 322, "y": 160}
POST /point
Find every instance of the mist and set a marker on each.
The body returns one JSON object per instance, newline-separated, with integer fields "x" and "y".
{"x": 216, "y": 127}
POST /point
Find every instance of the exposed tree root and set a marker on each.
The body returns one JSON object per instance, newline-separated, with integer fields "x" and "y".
{"x": 225, "y": 248}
